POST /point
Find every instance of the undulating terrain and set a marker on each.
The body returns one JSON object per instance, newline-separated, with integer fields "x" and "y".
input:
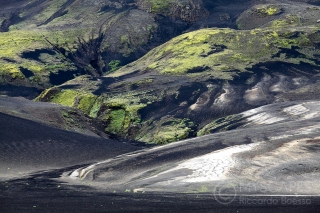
{"x": 160, "y": 96}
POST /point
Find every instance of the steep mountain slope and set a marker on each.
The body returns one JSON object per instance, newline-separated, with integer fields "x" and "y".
{"x": 178, "y": 87}
{"x": 184, "y": 84}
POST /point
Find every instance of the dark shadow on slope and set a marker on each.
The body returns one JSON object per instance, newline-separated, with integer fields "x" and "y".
{"x": 59, "y": 13}
{"x": 62, "y": 76}
{"x": 11, "y": 20}
{"x": 35, "y": 55}
{"x": 12, "y": 14}
{"x": 25, "y": 143}
{"x": 26, "y": 72}
{"x": 105, "y": 82}
{"x": 15, "y": 91}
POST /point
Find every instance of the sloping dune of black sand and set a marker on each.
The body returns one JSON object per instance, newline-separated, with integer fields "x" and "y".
{"x": 27, "y": 146}
{"x": 33, "y": 156}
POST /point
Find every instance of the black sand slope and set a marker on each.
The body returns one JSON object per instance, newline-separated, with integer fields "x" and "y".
{"x": 40, "y": 194}
{"x": 27, "y": 146}
{"x": 43, "y": 154}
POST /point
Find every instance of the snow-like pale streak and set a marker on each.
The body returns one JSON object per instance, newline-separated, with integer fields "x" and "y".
{"x": 212, "y": 166}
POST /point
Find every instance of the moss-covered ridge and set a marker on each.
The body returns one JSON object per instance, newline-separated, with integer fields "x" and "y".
{"x": 28, "y": 51}
{"x": 117, "y": 112}
{"x": 46, "y": 43}
{"x": 223, "y": 53}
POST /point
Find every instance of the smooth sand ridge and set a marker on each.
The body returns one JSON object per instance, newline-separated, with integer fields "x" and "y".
{"x": 27, "y": 146}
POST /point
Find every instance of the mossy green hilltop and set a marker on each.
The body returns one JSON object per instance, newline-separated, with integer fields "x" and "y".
{"x": 223, "y": 52}
{"x": 14, "y": 43}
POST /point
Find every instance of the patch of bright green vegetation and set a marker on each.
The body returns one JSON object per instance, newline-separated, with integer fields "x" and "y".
{"x": 220, "y": 52}
{"x": 159, "y": 6}
{"x": 96, "y": 107}
{"x": 170, "y": 131}
{"x": 269, "y": 10}
{"x": 65, "y": 97}
{"x": 124, "y": 39}
{"x": 145, "y": 81}
{"x": 203, "y": 189}
{"x": 114, "y": 65}
{"x": 10, "y": 69}
{"x": 73, "y": 98}
{"x": 86, "y": 103}
{"x": 171, "y": 134}
{"x": 14, "y": 43}
{"x": 288, "y": 20}
{"x": 142, "y": 82}
{"x": 120, "y": 112}
{"x": 123, "y": 112}
{"x": 116, "y": 119}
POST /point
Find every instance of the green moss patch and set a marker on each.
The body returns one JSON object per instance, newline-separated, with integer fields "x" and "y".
{"x": 159, "y": 6}
{"x": 118, "y": 112}
{"x": 122, "y": 113}
{"x": 86, "y": 103}
{"x": 287, "y": 21}
{"x": 14, "y": 43}
{"x": 116, "y": 120}
{"x": 168, "y": 130}
{"x": 65, "y": 97}
{"x": 268, "y": 10}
